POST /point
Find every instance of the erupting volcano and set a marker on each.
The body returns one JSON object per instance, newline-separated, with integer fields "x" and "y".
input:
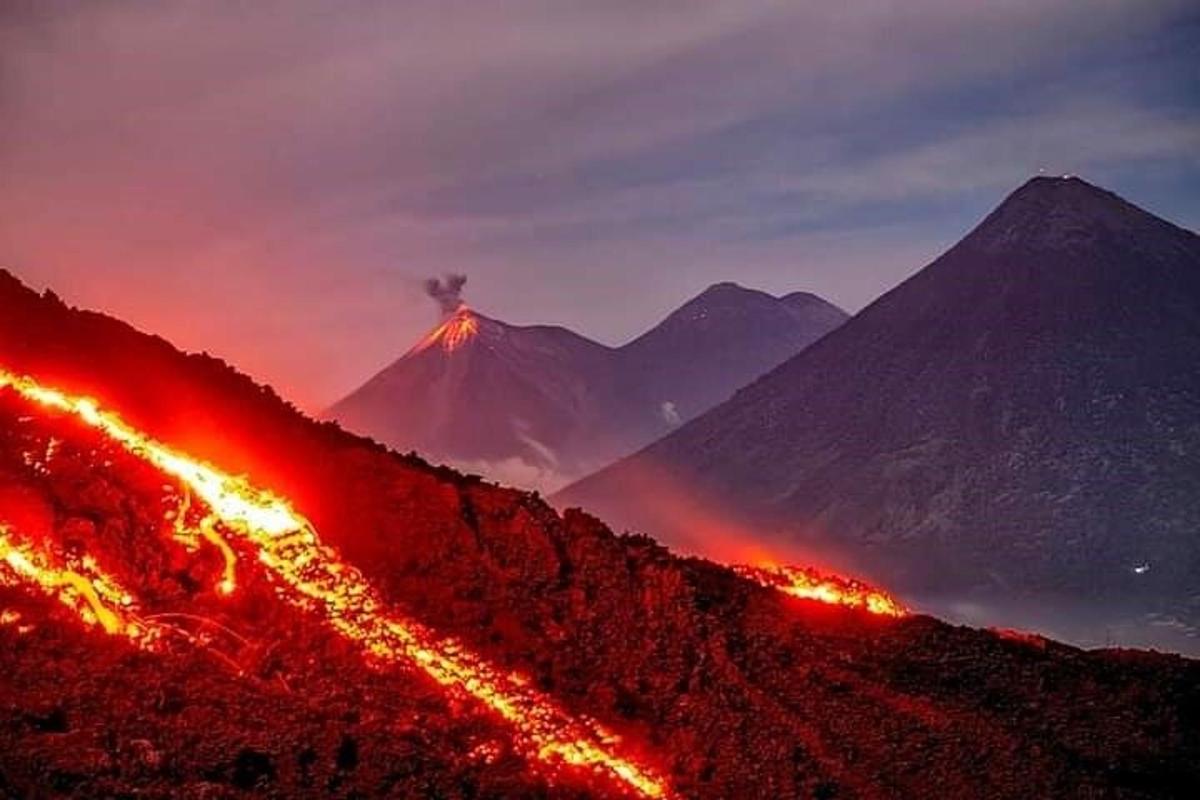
{"x": 637, "y": 512}
{"x": 459, "y": 324}
{"x": 459, "y": 328}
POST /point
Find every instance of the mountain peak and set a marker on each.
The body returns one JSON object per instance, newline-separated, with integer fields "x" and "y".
{"x": 1044, "y": 192}
{"x": 726, "y": 289}
{"x": 1062, "y": 213}
{"x": 809, "y": 301}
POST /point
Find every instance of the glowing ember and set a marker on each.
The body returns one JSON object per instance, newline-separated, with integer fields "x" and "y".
{"x": 457, "y": 329}
{"x": 82, "y": 587}
{"x": 311, "y": 575}
{"x": 812, "y": 585}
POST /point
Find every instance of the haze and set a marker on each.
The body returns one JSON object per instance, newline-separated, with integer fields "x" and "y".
{"x": 272, "y": 181}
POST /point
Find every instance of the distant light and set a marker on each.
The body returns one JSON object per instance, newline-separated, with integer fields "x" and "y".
{"x": 1142, "y": 569}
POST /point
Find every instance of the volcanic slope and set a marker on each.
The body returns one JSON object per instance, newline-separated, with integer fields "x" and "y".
{"x": 711, "y": 685}
{"x": 717, "y": 342}
{"x": 1021, "y": 417}
{"x": 540, "y": 404}
{"x": 496, "y": 397}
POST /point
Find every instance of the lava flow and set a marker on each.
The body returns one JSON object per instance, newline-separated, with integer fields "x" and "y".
{"x": 810, "y": 584}
{"x": 82, "y": 587}
{"x": 456, "y": 330}
{"x": 311, "y": 575}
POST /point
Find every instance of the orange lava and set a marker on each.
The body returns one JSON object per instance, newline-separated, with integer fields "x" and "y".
{"x": 311, "y": 575}
{"x": 457, "y": 329}
{"x": 810, "y": 584}
{"x": 97, "y": 598}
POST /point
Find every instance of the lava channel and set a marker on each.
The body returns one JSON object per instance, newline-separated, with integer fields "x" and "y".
{"x": 312, "y": 575}
{"x": 95, "y": 597}
{"x": 809, "y": 584}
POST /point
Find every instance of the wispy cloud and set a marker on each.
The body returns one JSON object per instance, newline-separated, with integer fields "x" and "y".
{"x": 266, "y": 180}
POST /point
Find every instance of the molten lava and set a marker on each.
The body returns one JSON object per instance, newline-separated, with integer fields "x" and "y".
{"x": 455, "y": 331}
{"x": 82, "y": 587}
{"x": 810, "y": 584}
{"x": 311, "y": 575}
{"x": 235, "y": 516}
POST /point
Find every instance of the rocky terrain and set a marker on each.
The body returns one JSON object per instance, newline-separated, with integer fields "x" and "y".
{"x": 721, "y": 686}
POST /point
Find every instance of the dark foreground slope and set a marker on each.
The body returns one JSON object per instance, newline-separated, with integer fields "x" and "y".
{"x": 730, "y": 689}
{"x": 1020, "y": 419}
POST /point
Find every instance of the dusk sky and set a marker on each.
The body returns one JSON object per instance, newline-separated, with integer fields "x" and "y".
{"x": 271, "y": 181}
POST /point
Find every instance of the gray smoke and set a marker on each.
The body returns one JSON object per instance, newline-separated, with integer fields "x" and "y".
{"x": 447, "y": 291}
{"x": 670, "y": 413}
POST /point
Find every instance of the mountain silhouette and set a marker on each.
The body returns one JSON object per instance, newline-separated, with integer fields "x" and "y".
{"x": 1020, "y": 418}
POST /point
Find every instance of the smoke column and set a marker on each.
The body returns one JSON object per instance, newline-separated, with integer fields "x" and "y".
{"x": 447, "y": 291}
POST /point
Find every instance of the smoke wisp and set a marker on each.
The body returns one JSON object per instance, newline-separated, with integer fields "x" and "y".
{"x": 447, "y": 291}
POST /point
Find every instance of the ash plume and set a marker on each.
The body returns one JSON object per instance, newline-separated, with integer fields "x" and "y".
{"x": 447, "y": 291}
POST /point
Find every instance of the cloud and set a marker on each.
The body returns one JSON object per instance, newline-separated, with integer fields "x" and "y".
{"x": 1069, "y": 138}
{"x": 267, "y": 180}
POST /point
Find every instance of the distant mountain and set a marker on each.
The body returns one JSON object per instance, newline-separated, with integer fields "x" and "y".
{"x": 1021, "y": 417}
{"x": 721, "y": 340}
{"x": 539, "y": 404}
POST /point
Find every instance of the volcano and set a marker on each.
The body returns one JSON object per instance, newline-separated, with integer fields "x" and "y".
{"x": 204, "y": 593}
{"x": 525, "y": 402}
{"x": 1019, "y": 421}
{"x": 540, "y": 404}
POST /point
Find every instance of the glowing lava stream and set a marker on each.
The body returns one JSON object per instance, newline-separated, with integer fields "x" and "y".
{"x": 812, "y": 585}
{"x": 314, "y": 577}
{"x": 458, "y": 329}
{"x": 94, "y": 596}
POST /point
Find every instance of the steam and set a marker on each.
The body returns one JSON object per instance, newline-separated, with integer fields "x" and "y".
{"x": 447, "y": 291}
{"x": 670, "y": 413}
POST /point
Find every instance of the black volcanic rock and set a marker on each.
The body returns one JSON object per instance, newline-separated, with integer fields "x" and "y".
{"x": 1022, "y": 416}
{"x": 538, "y": 404}
{"x": 727, "y": 688}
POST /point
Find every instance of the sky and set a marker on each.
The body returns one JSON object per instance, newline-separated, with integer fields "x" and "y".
{"x": 272, "y": 181}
